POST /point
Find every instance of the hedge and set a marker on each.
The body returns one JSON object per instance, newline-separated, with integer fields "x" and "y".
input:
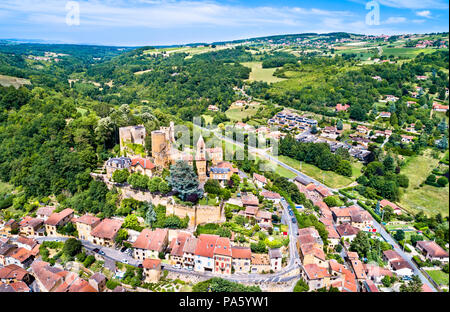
{"x": 372, "y": 213}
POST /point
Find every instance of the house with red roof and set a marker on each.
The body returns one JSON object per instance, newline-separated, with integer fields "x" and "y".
{"x": 222, "y": 256}
{"x": 204, "y": 253}
{"x": 432, "y": 251}
{"x": 176, "y": 247}
{"x": 242, "y": 257}
{"x": 259, "y": 180}
{"x": 150, "y": 243}
{"x": 56, "y": 220}
{"x": 143, "y": 166}
{"x": 152, "y": 270}
{"x": 85, "y": 224}
{"x": 315, "y": 276}
{"x": 105, "y": 232}
{"x": 342, "y": 108}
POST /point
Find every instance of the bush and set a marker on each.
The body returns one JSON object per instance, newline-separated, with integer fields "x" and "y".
{"x": 442, "y": 181}
{"x": 88, "y": 261}
{"x": 112, "y": 284}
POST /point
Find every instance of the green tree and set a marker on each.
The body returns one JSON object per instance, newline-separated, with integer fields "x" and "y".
{"x": 120, "y": 176}
{"x": 164, "y": 187}
{"x": 71, "y": 247}
{"x": 301, "y": 286}
{"x": 185, "y": 182}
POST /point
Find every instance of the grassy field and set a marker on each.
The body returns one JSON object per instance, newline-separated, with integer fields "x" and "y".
{"x": 261, "y": 74}
{"x": 7, "y": 81}
{"x": 329, "y": 178}
{"x": 427, "y": 198}
{"x": 438, "y": 276}
{"x": 406, "y": 52}
{"x": 239, "y": 113}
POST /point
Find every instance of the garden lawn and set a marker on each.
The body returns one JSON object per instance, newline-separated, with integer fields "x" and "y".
{"x": 429, "y": 199}
{"x": 440, "y": 277}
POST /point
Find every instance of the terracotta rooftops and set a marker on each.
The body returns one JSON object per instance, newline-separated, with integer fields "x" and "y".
{"x": 241, "y": 252}
{"x": 57, "y": 217}
{"x": 87, "y": 219}
{"x": 206, "y": 245}
{"x": 151, "y": 264}
{"x": 151, "y": 240}
{"x": 433, "y": 249}
{"x": 260, "y": 178}
{"x": 313, "y": 271}
{"x": 223, "y": 247}
{"x": 143, "y": 162}
{"x": 107, "y": 228}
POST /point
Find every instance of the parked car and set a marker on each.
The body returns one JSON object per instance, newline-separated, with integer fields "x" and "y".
{"x": 101, "y": 252}
{"x": 291, "y": 212}
{"x": 96, "y": 250}
{"x": 294, "y": 220}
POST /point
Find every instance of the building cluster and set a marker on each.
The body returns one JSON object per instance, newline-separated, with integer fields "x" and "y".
{"x": 288, "y": 120}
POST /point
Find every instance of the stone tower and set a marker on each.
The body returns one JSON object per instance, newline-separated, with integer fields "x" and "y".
{"x": 200, "y": 159}
{"x": 160, "y": 148}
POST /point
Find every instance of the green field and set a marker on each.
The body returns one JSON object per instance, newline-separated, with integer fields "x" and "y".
{"x": 328, "y": 178}
{"x": 440, "y": 277}
{"x": 406, "y": 52}
{"x": 261, "y": 74}
{"x": 239, "y": 113}
{"x": 429, "y": 199}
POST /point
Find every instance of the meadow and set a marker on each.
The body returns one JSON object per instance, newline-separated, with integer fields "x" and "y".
{"x": 429, "y": 199}
{"x": 261, "y": 74}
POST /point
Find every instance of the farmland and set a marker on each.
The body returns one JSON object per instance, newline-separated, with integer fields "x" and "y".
{"x": 7, "y": 81}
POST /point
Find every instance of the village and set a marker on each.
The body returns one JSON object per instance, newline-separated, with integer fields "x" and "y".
{"x": 240, "y": 229}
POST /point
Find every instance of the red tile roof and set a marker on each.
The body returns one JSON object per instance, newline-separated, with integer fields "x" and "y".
{"x": 313, "y": 271}
{"x": 56, "y": 218}
{"x": 87, "y": 219}
{"x": 433, "y": 249}
{"x": 143, "y": 162}
{"x": 223, "y": 247}
{"x": 107, "y": 228}
{"x": 46, "y": 274}
{"x": 345, "y": 229}
{"x": 13, "y": 271}
{"x": 206, "y": 245}
{"x": 241, "y": 252}
{"x": 270, "y": 195}
{"x": 151, "y": 240}
{"x": 250, "y": 200}
{"x": 152, "y": 264}
{"x": 45, "y": 211}
{"x": 177, "y": 244}
{"x": 259, "y": 178}
{"x": 21, "y": 254}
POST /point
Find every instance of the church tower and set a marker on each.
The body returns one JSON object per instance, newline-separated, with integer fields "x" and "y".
{"x": 200, "y": 159}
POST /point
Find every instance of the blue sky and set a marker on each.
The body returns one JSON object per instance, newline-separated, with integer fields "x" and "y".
{"x": 164, "y": 22}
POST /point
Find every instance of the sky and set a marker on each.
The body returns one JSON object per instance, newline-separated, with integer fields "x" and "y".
{"x": 169, "y": 22}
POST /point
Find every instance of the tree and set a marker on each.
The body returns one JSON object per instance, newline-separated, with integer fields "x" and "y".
{"x": 164, "y": 187}
{"x": 389, "y": 163}
{"x": 386, "y": 281}
{"x": 394, "y": 120}
{"x": 301, "y": 286}
{"x": 399, "y": 235}
{"x": 212, "y": 187}
{"x": 340, "y": 125}
{"x": 122, "y": 235}
{"x": 153, "y": 184}
{"x": 361, "y": 244}
{"x": 431, "y": 179}
{"x": 120, "y": 176}
{"x": 185, "y": 182}
{"x": 138, "y": 181}
{"x": 150, "y": 215}
{"x": 442, "y": 181}
{"x": 71, "y": 247}
{"x": 131, "y": 222}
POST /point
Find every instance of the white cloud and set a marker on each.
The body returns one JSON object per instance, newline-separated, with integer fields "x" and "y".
{"x": 394, "y": 20}
{"x": 425, "y": 13}
{"x": 411, "y": 4}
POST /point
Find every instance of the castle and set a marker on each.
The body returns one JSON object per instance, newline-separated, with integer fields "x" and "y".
{"x": 131, "y": 135}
